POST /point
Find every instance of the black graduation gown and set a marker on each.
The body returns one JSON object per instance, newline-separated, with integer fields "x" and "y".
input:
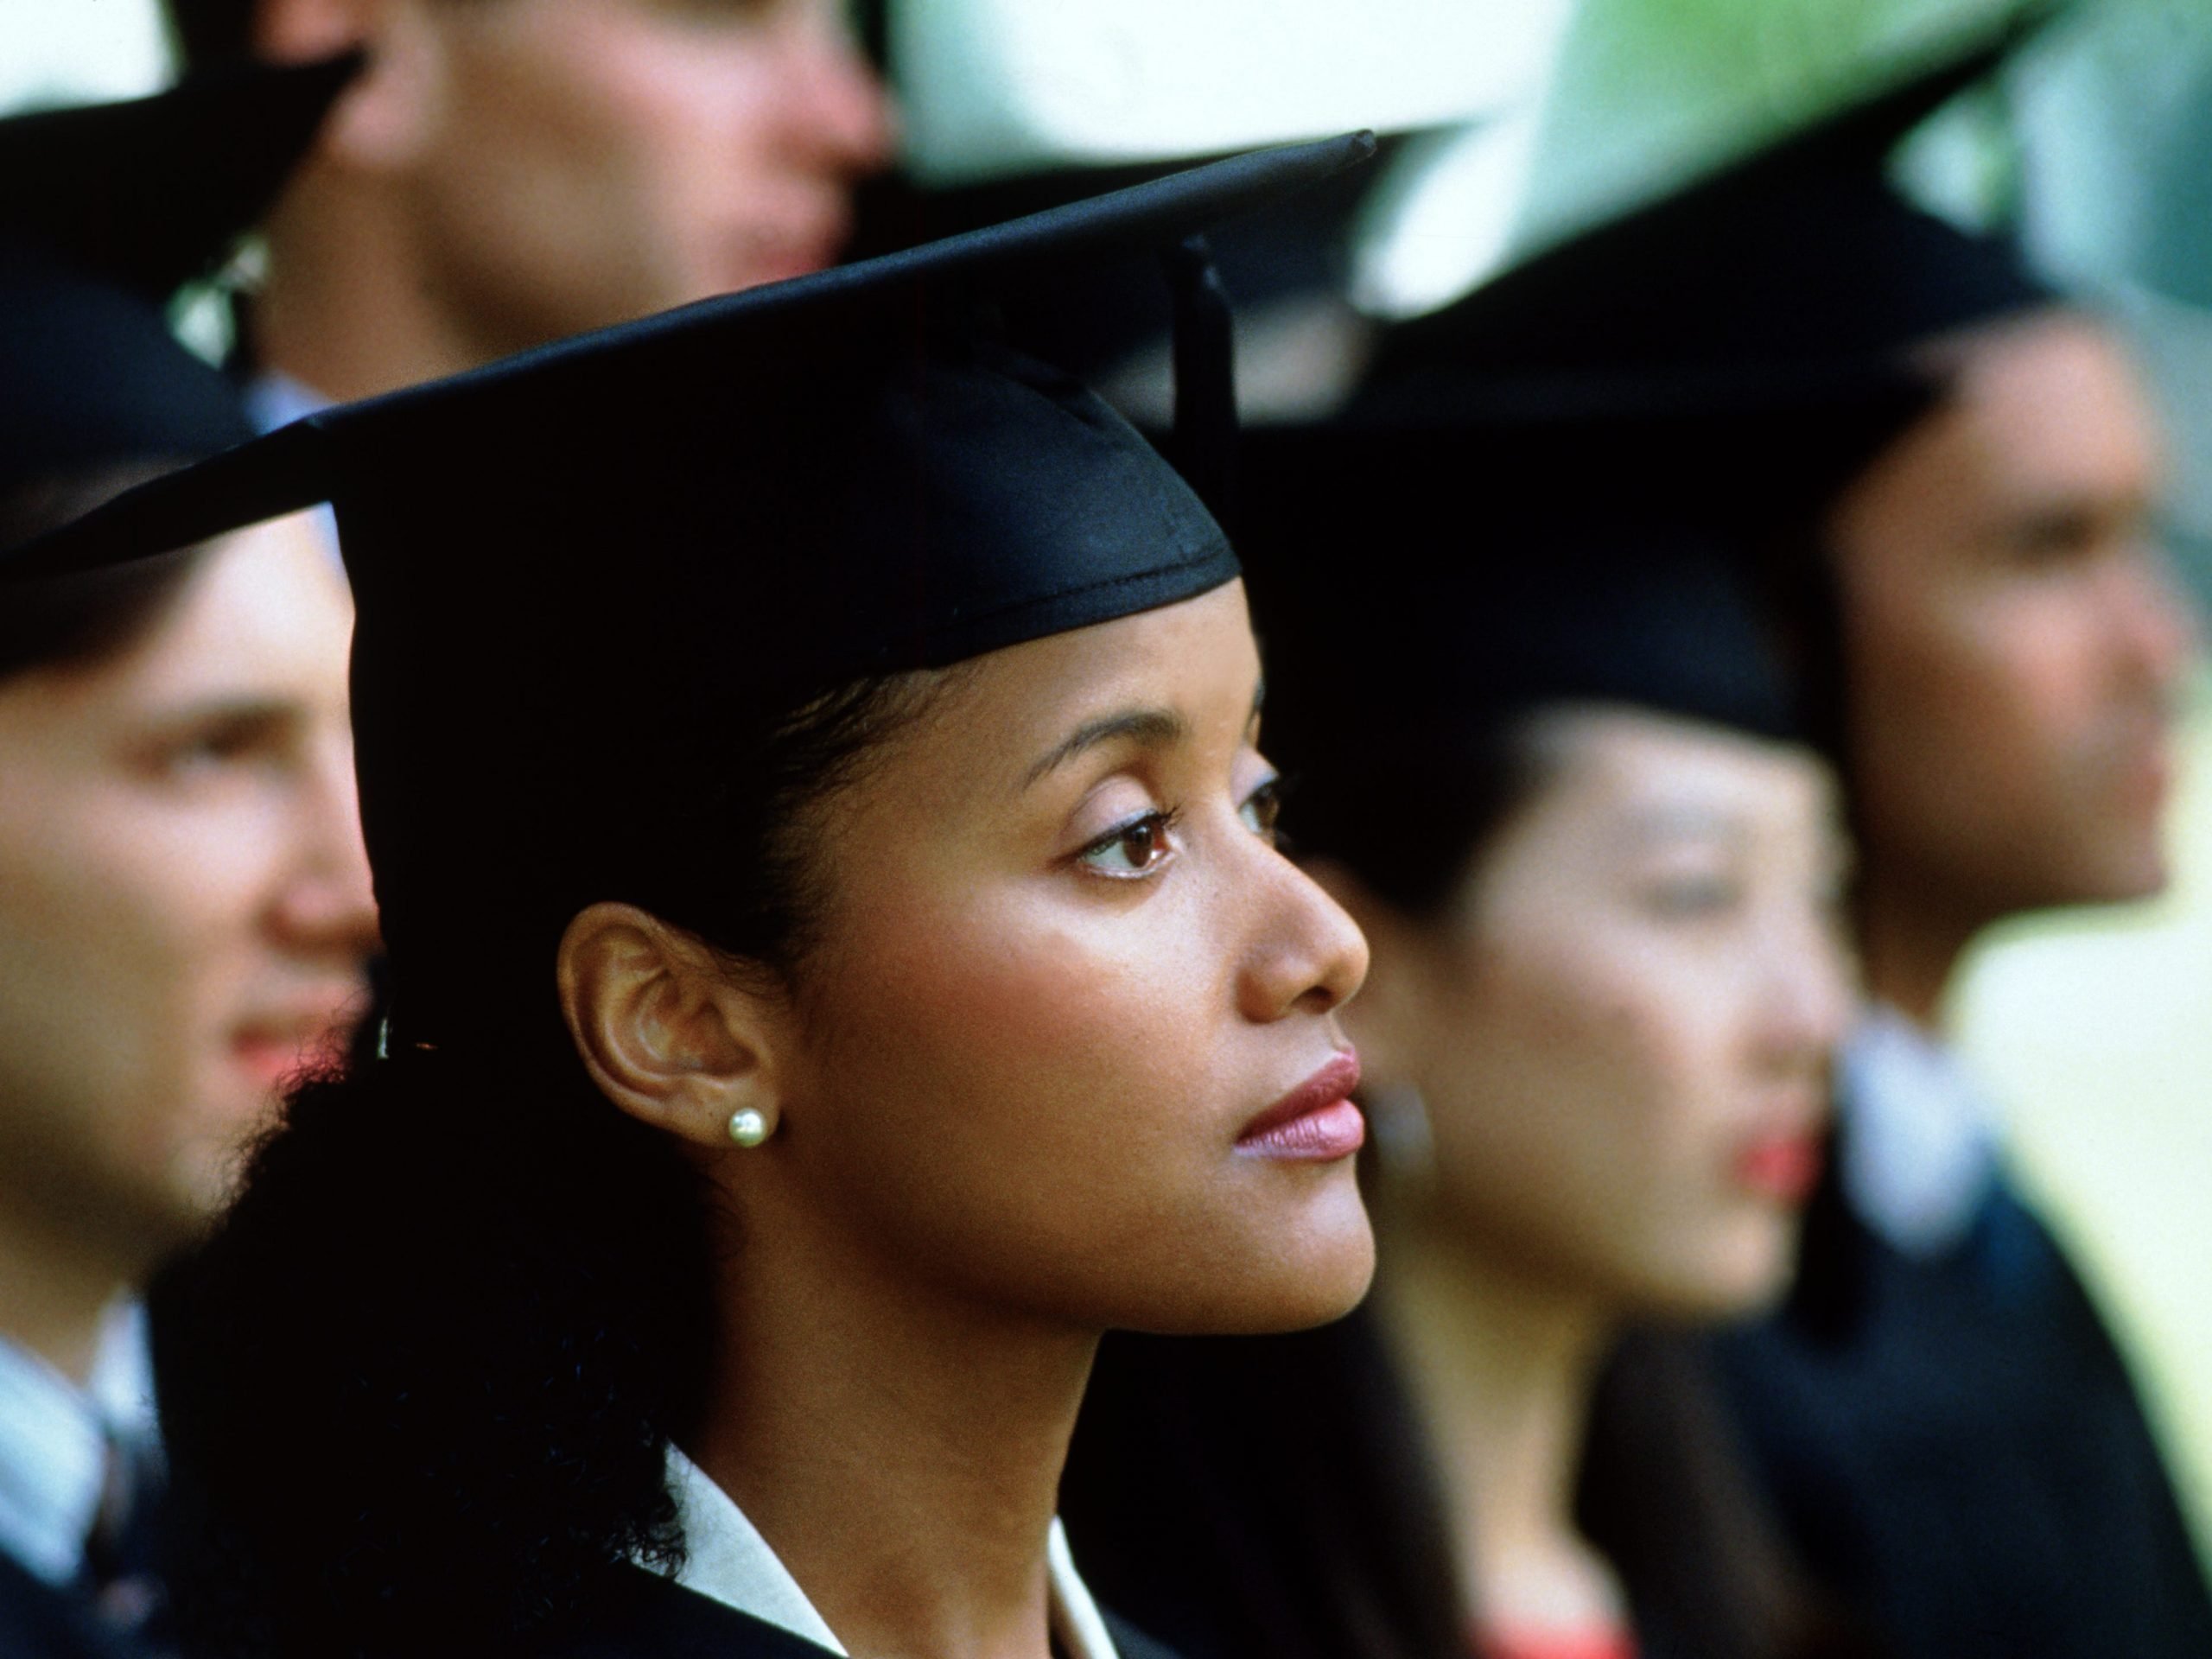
{"x": 39, "y": 1622}
{"x": 656, "y": 1618}
{"x": 1955, "y": 1447}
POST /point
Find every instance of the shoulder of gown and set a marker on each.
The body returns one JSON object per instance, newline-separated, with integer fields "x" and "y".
{"x": 1129, "y": 1643}
{"x": 655, "y": 1617}
{"x": 39, "y": 1622}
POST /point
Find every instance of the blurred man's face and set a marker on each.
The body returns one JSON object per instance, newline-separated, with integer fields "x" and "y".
{"x": 185, "y": 910}
{"x": 2012, "y": 639}
{"x": 573, "y": 164}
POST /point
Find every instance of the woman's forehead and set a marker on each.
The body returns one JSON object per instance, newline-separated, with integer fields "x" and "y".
{"x": 1660, "y": 776}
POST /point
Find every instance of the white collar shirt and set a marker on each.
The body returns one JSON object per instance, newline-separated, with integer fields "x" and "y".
{"x": 728, "y": 1562}
{"x": 1920, "y": 1143}
{"x": 54, "y": 1443}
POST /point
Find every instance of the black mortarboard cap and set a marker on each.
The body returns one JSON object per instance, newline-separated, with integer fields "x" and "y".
{"x": 1459, "y": 576}
{"x": 755, "y": 497}
{"x": 1794, "y": 277}
{"x": 106, "y": 212}
{"x": 1426, "y": 587}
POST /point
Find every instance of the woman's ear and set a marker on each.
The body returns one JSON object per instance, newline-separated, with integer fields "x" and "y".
{"x": 667, "y": 1033}
{"x": 1385, "y": 1019}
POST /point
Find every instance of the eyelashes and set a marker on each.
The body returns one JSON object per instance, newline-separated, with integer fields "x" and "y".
{"x": 1135, "y": 847}
{"x": 1263, "y": 809}
{"x": 1141, "y": 846}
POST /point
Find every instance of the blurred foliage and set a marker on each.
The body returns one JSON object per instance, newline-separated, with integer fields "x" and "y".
{"x": 1647, "y": 91}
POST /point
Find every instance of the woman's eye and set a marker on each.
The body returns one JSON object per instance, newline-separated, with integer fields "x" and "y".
{"x": 1261, "y": 809}
{"x": 207, "y": 751}
{"x": 1689, "y": 897}
{"x": 1137, "y": 848}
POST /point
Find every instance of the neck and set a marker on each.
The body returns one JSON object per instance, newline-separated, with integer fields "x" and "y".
{"x": 1501, "y": 1367}
{"x": 349, "y": 308}
{"x": 54, "y": 1291}
{"x": 900, "y": 1450}
{"x": 1911, "y": 948}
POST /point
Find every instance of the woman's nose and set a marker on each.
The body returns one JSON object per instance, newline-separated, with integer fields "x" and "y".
{"x": 1811, "y": 985}
{"x": 1309, "y": 956}
{"x": 327, "y": 906}
{"x": 835, "y": 104}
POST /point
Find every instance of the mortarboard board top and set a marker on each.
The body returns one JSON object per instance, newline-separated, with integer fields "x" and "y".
{"x": 739, "y": 504}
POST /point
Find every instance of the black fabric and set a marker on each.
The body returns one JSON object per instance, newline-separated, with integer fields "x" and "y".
{"x": 1790, "y": 280}
{"x": 153, "y": 191}
{"x": 1183, "y": 1506}
{"x": 649, "y": 1617}
{"x": 1131, "y": 1642}
{"x": 1424, "y": 584}
{"x": 653, "y": 1617}
{"x": 883, "y": 325}
{"x": 94, "y": 378}
{"x": 1955, "y": 1445}
{"x": 105, "y": 212}
{"x": 39, "y": 1622}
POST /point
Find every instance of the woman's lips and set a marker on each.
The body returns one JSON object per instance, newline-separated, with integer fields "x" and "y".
{"x": 1315, "y": 1122}
{"x": 1783, "y": 1167}
{"x": 273, "y": 1048}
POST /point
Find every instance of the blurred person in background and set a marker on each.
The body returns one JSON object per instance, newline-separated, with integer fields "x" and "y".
{"x": 184, "y": 906}
{"x": 508, "y": 174}
{"x": 1555, "y": 771}
{"x": 1941, "y": 1416}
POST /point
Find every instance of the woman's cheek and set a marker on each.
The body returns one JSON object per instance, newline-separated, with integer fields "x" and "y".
{"x": 1000, "y": 1012}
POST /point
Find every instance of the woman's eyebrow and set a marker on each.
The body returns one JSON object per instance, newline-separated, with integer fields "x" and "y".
{"x": 1687, "y": 824}
{"x": 1151, "y": 728}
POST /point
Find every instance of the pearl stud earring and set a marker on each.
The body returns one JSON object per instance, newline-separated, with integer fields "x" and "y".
{"x": 749, "y": 1126}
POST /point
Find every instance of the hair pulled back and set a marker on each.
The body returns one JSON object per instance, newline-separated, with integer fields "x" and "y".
{"x": 419, "y": 1385}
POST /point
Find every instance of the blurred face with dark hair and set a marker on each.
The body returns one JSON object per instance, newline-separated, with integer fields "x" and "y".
{"x": 2012, "y": 639}
{"x": 184, "y": 904}
{"x": 510, "y": 172}
{"x": 1621, "y": 1025}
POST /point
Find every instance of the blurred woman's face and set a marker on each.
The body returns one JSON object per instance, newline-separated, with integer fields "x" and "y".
{"x": 1622, "y": 1025}
{"x": 1069, "y": 1045}
{"x": 184, "y": 902}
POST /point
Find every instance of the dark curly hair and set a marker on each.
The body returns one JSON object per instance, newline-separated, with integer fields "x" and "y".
{"x": 419, "y": 1385}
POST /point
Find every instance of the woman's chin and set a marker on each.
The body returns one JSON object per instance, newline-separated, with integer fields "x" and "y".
{"x": 1750, "y": 1277}
{"x": 1313, "y": 1268}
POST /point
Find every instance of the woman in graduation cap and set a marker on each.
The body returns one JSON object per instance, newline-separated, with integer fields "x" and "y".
{"x": 840, "y": 965}
{"x": 184, "y": 906}
{"x": 1557, "y": 774}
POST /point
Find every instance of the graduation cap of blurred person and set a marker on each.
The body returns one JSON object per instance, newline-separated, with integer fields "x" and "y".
{"x": 106, "y": 212}
{"x": 1598, "y": 470}
{"x": 763, "y": 495}
{"x": 1795, "y": 279}
{"x": 1422, "y": 592}
{"x": 1531, "y": 590}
